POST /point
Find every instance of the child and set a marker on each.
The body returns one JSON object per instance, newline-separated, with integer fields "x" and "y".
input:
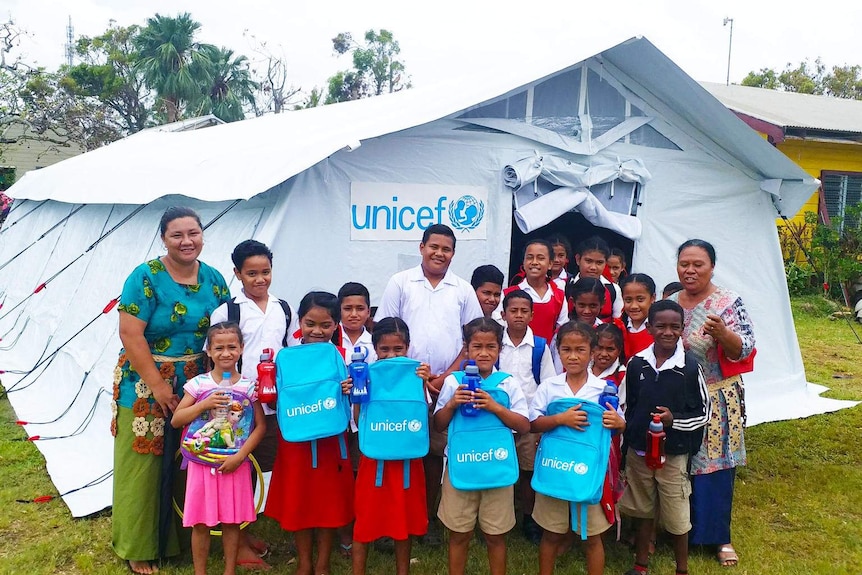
{"x": 586, "y": 297}
{"x": 549, "y": 302}
{"x": 591, "y": 257}
{"x": 301, "y": 497}
{"x": 493, "y": 508}
{"x": 616, "y": 265}
{"x": 560, "y": 264}
{"x": 638, "y": 295}
{"x": 488, "y": 283}
{"x": 671, "y": 289}
{"x": 663, "y": 380}
{"x": 518, "y": 356}
{"x": 224, "y": 494}
{"x": 575, "y": 342}
{"x": 390, "y": 510}
{"x": 355, "y": 302}
{"x": 608, "y": 361}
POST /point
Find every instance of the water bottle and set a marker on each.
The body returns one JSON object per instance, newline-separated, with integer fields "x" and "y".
{"x": 266, "y": 377}
{"x": 358, "y": 371}
{"x": 473, "y": 382}
{"x": 656, "y": 436}
{"x": 224, "y": 387}
{"x": 609, "y": 395}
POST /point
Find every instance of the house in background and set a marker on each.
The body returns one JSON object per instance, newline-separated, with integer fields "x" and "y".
{"x": 822, "y": 134}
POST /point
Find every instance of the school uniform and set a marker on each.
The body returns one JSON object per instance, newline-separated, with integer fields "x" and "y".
{"x": 549, "y": 310}
{"x": 615, "y": 372}
{"x": 635, "y": 340}
{"x": 562, "y": 279}
{"x": 609, "y": 309}
{"x": 494, "y": 509}
{"x": 363, "y": 341}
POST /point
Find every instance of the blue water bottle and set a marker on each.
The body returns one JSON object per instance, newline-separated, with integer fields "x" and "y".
{"x": 610, "y": 395}
{"x": 358, "y": 371}
{"x": 473, "y": 382}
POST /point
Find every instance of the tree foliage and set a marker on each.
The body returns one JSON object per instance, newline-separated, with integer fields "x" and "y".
{"x": 376, "y": 67}
{"x": 807, "y": 78}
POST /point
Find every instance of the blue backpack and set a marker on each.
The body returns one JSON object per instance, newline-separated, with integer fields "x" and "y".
{"x": 393, "y": 425}
{"x": 482, "y": 448}
{"x": 539, "y": 344}
{"x": 310, "y": 403}
{"x": 571, "y": 464}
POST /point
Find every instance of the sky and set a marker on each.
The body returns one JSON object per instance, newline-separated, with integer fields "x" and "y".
{"x": 448, "y": 39}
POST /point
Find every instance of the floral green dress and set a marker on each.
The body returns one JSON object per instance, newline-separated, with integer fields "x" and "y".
{"x": 177, "y": 319}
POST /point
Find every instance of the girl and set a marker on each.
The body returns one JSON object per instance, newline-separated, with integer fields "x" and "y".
{"x": 616, "y": 266}
{"x": 560, "y": 263}
{"x": 224, "y": 494}
{"x": 390, "y": 510}
{"x": 591, "y": 257}
{"x": 608, "y": 360}
{"x": 575, "y": 343}
{"x": 638, "y": 295}
{"x": 303, "y": 498}
{"x": 586, "y": 298}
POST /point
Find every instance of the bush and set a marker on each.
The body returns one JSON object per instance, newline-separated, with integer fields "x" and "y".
{"x": 801, "y": 279}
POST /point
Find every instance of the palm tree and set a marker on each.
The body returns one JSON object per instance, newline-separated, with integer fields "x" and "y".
{"x": 231, "y": 85}
{"x": 172, "y": 63}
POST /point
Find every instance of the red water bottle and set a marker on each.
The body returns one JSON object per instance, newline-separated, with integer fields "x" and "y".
{"x": 655, "y": 438}
{"x": 266, "y": 377}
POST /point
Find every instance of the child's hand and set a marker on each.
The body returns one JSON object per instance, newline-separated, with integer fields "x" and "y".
{"x": 665, "y": 414}
{"x": 612, "y": 420}
{"x": 423, "y": 372}
{"x": 462, "y": 396}
{"x": 575, "y": 417}
{"x": 231, "y": 463}
{"x": 483, "y": 400}
{"x": 215, "y": 400}
{"x": 346, "y": 385}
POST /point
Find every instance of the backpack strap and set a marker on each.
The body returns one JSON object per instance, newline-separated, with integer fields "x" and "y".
{"x": 342, "y": 447}
{"x": 539, "y": 345}
{"x": 494, "y": 379}
{"x": 233, "y": 316}
{"x": 378, "y": 477}
{"x": 288, "y": 317}
{"x": 579, "y": 515}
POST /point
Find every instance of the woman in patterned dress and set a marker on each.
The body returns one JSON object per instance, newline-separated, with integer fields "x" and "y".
{"x": 715, "y": 318}
{"x": 164, "y": 315}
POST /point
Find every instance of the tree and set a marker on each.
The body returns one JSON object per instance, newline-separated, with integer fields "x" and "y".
{"x": 172, "y": 63}
{"x": 376, "y": 67}
{"x": 231, "y": 86}
{"x": 274, "y": 94}
{"x": 344, "y": 86}
{"x": 844, "y": 82}
{"x": 805, "y": 78}
{"x": 766, "y": 78}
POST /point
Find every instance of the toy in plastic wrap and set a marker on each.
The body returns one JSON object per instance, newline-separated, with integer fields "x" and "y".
{"x": 211, "y": 438}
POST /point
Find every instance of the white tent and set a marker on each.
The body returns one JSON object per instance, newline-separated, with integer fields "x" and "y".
{"x": 342, "y": 192}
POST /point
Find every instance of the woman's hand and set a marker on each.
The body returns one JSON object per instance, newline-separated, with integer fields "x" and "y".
{"x": 714, "y": 326}
{"x": 165, "y": 396}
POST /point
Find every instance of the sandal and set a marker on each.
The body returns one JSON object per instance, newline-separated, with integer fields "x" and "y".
{"x": 727, "y": 556}
{"x": 346, "y": 550}
{"x": 257, "y": 564}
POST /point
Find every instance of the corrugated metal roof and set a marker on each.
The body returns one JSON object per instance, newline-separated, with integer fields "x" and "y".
{"x": 789, "y": 109}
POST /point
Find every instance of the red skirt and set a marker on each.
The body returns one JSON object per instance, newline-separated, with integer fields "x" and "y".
{"x": 304, "y": 497}
{"x": 389, "y": 510}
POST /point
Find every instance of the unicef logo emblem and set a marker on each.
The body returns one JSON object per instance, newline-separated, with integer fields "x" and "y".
{"x": 329, "y": 403}
{"x": 581, "y": 468}
{"x": 501, "y": 454}
{"x": 414, "y": 425}
{"x": 466, "y": 212}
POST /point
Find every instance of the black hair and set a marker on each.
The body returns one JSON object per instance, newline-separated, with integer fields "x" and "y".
{"x": 175, "y": 213}
{"x": 352, "y": 289}
{"x": 702, "y": 244}
{"x": 671, "y": 289}
{"x": 486, "y": 274}
{"x": 586, "y": 285}
{"x": 516, "y": 294}
{"x": 639, "y": 278}
{"x": 579, "y": 328}
{"x": 323, "y": 299}
{"x": 614, "y": 332}
{"x": 561, "y": 240}
{"x": 389, "y": 326}
{"x": 441, "y": 229}
{"x": 594, "y": 244}
{"x": 540, "y": 242}
{"x": 665, "y": 305}
{"x": 224, "y": 326}
{"x": 247, "y": 249}
{"x": 482, "y": 325}
{"x": 620, "y": 254}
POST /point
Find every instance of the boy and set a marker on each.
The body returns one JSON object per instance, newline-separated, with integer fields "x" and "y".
{"x": 265, "y": 322}
{"x": 549, "y": 302}
{"x": 671, "y": 289}
{"x": 487, "y": 281}
{"x": 663, "y": 380}
{"x": 355, "y": 302}
{"x": 518, "y": 357}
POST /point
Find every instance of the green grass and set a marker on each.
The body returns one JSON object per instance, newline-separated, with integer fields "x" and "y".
{"x": 797, "y": 508}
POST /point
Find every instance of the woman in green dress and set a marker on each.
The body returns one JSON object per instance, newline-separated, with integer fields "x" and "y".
{"x": 164, "y": 315}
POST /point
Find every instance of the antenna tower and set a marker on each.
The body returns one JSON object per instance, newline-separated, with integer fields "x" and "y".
{"x": 70, "y": 47}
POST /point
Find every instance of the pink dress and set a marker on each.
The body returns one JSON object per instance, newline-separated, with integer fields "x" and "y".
{"x": 213, "y": 497}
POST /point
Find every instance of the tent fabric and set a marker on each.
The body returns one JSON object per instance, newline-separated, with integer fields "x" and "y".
{"x": 296, "y": 174}
{"x": 550, "y": 206}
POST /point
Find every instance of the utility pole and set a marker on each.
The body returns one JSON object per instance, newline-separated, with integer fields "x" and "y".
{"x": 729, "y": 46}
{"x": 70, "y": 47}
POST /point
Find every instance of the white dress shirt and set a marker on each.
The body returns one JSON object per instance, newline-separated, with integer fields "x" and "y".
{"x": 517, "y": 361}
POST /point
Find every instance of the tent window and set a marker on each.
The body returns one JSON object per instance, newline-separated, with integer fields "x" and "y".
{"x": 841, "y": 191}
{"x": 555, "y": 103}
{"x": 513, "y": 108}
{"x": 617, "y": 196}
{"x": 650, "y": 137}
{"x": 606, "y": 105}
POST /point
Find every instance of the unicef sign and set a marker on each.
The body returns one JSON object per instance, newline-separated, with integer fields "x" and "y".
{"x": 384, "y": 211}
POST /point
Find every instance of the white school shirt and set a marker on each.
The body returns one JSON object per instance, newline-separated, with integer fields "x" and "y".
{"x": 433, "y": 314}
{"x": 562, "y": 317}
{"x": 562, "y": 279}
{"x": 517, "y": 361}
{"x": 364, "y": 341}
{"x": 260, "y": 330}
{"x": 557, "y": 388}
{"x": 632, "y": 329}
{"x": 617, "y": 309}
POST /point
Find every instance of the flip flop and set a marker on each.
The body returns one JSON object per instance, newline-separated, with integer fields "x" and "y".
{"x": 727, "y": 556}
{"x": 152, "y": 568}
{"x": 254, "y": 564}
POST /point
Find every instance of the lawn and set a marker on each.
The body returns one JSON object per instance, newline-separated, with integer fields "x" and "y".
{"x": 798, "y": 508}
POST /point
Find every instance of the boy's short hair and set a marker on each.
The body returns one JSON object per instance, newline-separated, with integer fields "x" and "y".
{"x": 354, "y": 289}
{"x": 671, "y": 289}
{"x": 515, "y": 294}
{"x": 441, "y": 229}
{"x": 665, "y": 305}
{"x": 486, "y": 274}
{"x": 247, "y": 249}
